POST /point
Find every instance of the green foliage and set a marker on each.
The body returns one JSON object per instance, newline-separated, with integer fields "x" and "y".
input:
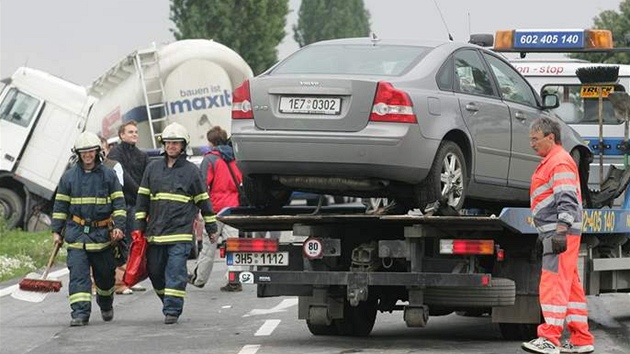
{"x": 23, "y": 252}
{"x": 330, "y": 19}
{"x": 251, "y": 28}
{"x": 619, "y": 24}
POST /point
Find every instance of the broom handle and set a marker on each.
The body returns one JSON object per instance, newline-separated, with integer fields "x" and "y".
{"x": 601, "y": 135}
{"x": 51, "y": 260}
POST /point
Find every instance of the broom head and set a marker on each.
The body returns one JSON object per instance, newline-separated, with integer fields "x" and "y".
{"x": 40, "y": 285}
{"x": 598, "y": 74}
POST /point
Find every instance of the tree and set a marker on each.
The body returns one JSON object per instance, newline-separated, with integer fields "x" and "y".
{"x": 329, "y": 19}
{"x": 619, "y": 24}
{"x": 251, "y": 28}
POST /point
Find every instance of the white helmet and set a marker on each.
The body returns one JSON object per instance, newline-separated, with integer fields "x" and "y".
{"x": 175, "y": 132}
{"x": 87, "y": 141}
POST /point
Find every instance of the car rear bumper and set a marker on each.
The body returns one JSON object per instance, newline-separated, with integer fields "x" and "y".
{"x": 391, "y": 152}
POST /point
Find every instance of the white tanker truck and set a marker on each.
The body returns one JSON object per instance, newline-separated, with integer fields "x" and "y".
{"x": 188, "y": 81}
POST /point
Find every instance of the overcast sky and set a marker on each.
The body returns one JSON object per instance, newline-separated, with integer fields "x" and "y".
{"x": 80, "y": 39}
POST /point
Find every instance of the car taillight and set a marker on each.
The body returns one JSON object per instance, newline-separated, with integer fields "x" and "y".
{"x": 391, "y": 105}
{"x": 251, "y": 245}
{"x": 467, "y": 247}
{"x": 242, "y": 102}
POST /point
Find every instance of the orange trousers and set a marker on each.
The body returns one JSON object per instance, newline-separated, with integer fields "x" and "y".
{"x": 562, "y": 296}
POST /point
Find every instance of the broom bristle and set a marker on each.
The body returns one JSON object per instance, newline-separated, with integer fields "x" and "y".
{"x": 598, "y": 74}
{"x": 40, "y": 285}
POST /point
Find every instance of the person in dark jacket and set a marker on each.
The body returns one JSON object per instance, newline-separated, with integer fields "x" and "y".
{"x": 88, "y": 197}
{"x": 221, "y": 176}
{"x": 134, "y": 162}
{"x": 169, "y": 197}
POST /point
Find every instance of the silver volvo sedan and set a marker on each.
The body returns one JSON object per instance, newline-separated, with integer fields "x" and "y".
{"x": 414, "y": 121}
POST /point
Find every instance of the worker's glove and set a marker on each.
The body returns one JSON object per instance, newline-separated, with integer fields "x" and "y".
{"x": 211, "y": 228}
{"x": 559, "y": 242}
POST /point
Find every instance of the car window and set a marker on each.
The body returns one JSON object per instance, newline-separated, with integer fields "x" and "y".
{"x": 390, "y": 60}
{"x": 445, "y": 76}
{"x": 511, "y": 85}
{"x": 470, "y": 74}
{"x": 580, "y": 104}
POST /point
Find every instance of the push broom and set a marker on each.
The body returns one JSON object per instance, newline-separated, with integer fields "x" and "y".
{"x": 43, "y": 285}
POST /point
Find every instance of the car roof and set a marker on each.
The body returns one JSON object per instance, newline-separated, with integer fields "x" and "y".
{"x": 395, "y": 41}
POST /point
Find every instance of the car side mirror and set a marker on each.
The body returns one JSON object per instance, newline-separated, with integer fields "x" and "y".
{"x": 550, "y": 101}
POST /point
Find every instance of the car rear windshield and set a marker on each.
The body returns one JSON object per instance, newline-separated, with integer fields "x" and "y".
{"x": 390, "y": 60}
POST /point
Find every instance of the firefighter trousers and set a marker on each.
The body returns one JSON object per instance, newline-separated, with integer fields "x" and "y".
{"x": 562, "y": 296}
{"x": 168, "y": 273}
{"x": 102, "y": 265}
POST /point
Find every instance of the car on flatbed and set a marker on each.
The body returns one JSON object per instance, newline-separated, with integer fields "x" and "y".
{"x": 414, "y": 121}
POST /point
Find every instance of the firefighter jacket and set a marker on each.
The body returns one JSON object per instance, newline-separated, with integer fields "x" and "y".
{"x": 555, "y": 194}
{"x": 217, "y": 177}
{"x": 134, "y": 162}
{"x": 168, "y": 202}
{"x": 85, "y": 200}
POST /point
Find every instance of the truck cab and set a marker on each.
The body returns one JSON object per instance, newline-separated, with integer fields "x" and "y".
{"x": 40, "y": 116}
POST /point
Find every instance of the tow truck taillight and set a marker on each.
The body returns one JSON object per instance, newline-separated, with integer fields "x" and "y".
{"x": 467, "y": 247}
{"x": 251, "y": 245}
{"x": 392, "y": 105}
{"x": 242, "y": 102}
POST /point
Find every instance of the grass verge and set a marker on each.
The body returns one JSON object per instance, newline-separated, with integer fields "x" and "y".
{"x": 23, "y": 252}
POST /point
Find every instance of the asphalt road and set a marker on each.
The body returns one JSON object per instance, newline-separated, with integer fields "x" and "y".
{"x": 240, "y": 323}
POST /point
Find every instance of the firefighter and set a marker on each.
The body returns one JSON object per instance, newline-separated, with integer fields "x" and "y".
{"x": 170, "y": 194}
{"x": 556, "y": 204}
{"x": 89, "y": 202}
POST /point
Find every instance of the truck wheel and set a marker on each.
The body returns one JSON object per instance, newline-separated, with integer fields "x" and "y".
{"x": 357, "y": 321}
{"x": 260, "y": 193}
{"x": 11, "y": 207}
{"x": 322, "y": 330}
{"x": 448, "y": 178}
{"x": 518, "y": 331}
{"x": 502, "y": 292}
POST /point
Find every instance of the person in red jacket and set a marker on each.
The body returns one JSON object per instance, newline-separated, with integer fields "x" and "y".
{"x": 221, "y": 176}
{"x": 556, "y": 204}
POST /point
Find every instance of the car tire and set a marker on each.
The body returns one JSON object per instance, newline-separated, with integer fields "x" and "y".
{"x": 357, "y": 321}
{"x": 260, "y": 193}
{"x": 11, "y": 208}
{"x": 322, "y": 330}
{"x": 449, "y": 160}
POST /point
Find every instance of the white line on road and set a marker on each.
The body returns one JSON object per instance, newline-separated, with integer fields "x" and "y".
{"x": 281, "y": 307}
{"x": 267, "y": 328}
{"x": 250, "y": 349}
{"x": 9, "y": 289}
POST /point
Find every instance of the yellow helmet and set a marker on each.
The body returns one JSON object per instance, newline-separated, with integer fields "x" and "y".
{"x": 87, "y": 141}
{"x": 175, "y": 132}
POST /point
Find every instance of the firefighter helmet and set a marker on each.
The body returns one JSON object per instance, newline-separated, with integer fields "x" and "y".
{"x": 87, "y": 141}
{"x": 175, "y": 132}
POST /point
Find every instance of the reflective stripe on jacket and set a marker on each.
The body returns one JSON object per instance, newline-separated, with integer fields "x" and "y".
{"x": 95, "y": 195}
{"x": 555, "y": 193}
{"x": 170, "y": 198}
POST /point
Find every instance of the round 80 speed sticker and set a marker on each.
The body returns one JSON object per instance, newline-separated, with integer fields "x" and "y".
{"x": 313, "y": 248}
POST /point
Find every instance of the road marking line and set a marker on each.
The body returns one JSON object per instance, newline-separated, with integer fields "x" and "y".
{"x": 9, "y": 289}
{"x": 267, "y": 328}
{"x": 281, "y": 307}
{"x": 250, "y": 349}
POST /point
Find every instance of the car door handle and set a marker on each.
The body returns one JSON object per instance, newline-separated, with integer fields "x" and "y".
{"x": 471, "y": 107}
{"x": 520, "y": 116}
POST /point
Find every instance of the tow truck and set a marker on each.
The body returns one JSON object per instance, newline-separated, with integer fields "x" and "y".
{"x": 345, "y": 265}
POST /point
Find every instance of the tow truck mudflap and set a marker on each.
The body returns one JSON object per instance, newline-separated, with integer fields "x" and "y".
{"x": 353, "y": 279}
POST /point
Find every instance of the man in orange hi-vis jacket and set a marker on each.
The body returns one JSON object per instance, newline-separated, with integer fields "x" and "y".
{"x": 556, "y": 204}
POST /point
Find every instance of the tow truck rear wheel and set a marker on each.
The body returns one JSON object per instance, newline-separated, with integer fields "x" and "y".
{"x": 357, "y": 321}
{"x": 518, "y": 331}
{"x": 322, "y": 330}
